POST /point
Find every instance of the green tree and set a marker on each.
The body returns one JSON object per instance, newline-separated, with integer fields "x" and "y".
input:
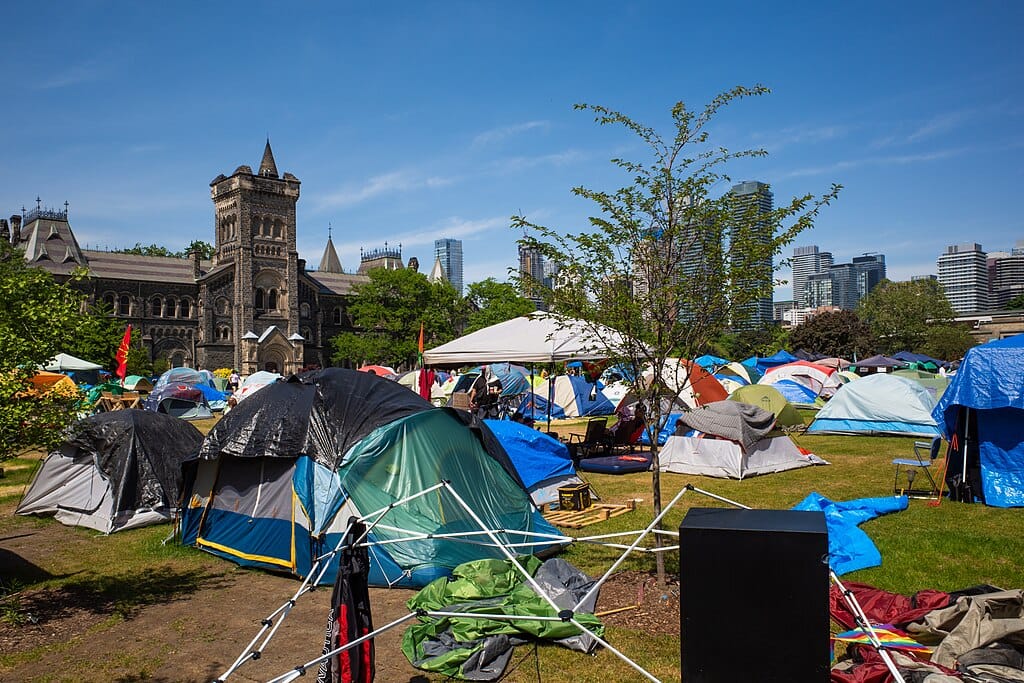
{"x": 205, "y": 249}
{"x": 900, "y": 313}
{"x": 760, "y": 341}
{"x": 388, "y": 311}
{"x": 1016, "y": 303}
{"x": 947, "y": 342}
{"x": 492, "y": 302}
{"x": 653, "y": 265}
{"x": 38, "y": 319}
{"x": 98, "y": 335}
{"x": 835, "y": 333}
{"x": 147, "y": 250}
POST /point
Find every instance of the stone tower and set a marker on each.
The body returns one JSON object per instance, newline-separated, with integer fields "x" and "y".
{"x": 253, "y": 285}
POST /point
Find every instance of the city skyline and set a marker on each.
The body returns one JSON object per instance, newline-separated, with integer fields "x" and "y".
{"x": 414, "y": 128}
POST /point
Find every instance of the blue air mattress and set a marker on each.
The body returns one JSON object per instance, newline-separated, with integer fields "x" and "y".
{"x": 617, "y": 464}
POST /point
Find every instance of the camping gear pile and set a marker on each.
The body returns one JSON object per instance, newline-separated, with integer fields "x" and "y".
{"x": 186, "y": 393}
{"x": 114, "y": 471}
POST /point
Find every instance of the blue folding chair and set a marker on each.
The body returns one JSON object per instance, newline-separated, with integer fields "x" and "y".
{"x": 925, "y": 453}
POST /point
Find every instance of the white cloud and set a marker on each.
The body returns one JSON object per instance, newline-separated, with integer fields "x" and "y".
{"x": 388, "y": 183}
{"x": 795, "y": 135}
{"x": 79, "y": 73}
{"x": 522, "y": 163}
{"x": 890, "y": 160}
{"x": 938, "y": 124}
{"x": 454, "y": 227}
{"x": 495, "y": 135}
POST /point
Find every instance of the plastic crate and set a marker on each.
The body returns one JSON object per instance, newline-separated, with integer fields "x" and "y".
{"x": 575, "y": 497}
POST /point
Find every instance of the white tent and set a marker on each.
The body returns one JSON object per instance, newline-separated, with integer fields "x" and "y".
{"x": 536, "y": 338}
{"x": 64, "y": 362}
{"x": 721, "y": 458}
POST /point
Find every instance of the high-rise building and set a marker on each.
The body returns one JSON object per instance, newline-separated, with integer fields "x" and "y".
{"x": 531, "y": 269}
{"x": 870, "y": 270}
{"x": 1005, "y": 275}
{"x": 807, "y": 261}
{"x": 449, "y": 252}
{"x": 963, "y": 273}
{"x": 749, "y": 200}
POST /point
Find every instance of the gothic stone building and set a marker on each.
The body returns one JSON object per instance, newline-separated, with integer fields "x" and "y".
{"x": 253, "y": 307}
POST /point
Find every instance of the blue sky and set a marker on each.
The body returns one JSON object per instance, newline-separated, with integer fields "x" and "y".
{"x": 407, "y": 122}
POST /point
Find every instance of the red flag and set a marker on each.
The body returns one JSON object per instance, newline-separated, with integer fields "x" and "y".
{"x": 421, "y": 343}
{"x": 122, "y": 354}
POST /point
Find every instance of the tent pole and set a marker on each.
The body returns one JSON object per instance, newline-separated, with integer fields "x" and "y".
{"x": 963, "y": 473}
{"x": 865, "y": 624}
{"x": 533, "y": 401}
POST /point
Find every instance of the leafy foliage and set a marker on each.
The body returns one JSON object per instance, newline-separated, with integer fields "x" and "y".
{"x": 389, "y": 309}
{"x": 39, "y": 318}
{"x": 901, "y": 313}
{"x": 654, "y": 266}
{"x": 835, "y": 333}
{"x": 494, "y": 302}
{"x": 947, "y": 342}
{"x": 762, "y": 341}
{"x": 205, "y": 249}
{"x": 1016, "y": 303}
{"x": 98, "y": 335}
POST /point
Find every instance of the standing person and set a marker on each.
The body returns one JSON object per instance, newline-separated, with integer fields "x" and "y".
{"x": 233, "y": 381}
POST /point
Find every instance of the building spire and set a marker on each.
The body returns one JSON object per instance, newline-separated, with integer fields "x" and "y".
{"x": 329, "y": 262}
{"x": 267, "y": 167}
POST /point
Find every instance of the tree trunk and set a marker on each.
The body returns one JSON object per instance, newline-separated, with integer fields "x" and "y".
{"x": 659, "y": 558}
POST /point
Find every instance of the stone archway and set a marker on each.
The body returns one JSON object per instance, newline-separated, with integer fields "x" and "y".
{"x": 272, "y": 359}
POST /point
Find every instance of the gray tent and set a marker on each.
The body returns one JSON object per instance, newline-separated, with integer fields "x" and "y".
{"x": 114, "y": 471}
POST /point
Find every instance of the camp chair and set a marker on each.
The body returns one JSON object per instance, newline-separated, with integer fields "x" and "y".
{"x": 623, "y": 435}
{"x": 912, "y": 466}
{"x": 592, "y": 442}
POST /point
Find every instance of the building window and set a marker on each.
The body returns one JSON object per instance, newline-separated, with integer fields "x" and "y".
{"x": 336, "y": 315}
{"x": 272, "y": 300}
{"x": 108, "y": 300}
{"x": 186, "y": 308}
{"x": 156, "y": 307}
{"x": 304, "y": 310}
{"x": 124, "y": 305}
{"x": 259, "y": 299}
{"x": 277, "y": 228}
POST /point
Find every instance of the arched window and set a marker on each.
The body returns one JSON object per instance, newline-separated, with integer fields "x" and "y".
{"x": 185, "y": 309}
{"x": 277, "y": 228}
{"x": 156, "y": 307}
{"x": 303, "y": 310}
{"x": 108, "y": 299}
{"x": 336, "y": 315}
{"x": 124, "y": 305}
{"x": 169, "y": 308}
{"x": 259, "y": 299}
{"x": 272, "y": 300}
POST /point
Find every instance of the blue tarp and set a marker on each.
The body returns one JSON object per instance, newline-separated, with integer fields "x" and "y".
{"x": 849, "y": 547}
{"x": 579, "y": 405}
{"x": 990, "y": 381}
{"x": 535, "y": 407}
{"x": 537, "y": 457}
{"x": 668, "y": 430}
{"x": 919, "y": 358}
{"x": 762, "y": 365}
{"x": 707, "y": 361}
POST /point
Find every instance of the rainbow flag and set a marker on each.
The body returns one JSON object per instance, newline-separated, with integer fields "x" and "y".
{"x": 890, "y": 637}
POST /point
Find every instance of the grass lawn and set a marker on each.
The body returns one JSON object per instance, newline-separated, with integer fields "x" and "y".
{"x": 946, "y": 547}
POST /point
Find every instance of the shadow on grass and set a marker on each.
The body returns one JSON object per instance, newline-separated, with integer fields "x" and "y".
{"x": 117, "y": 595}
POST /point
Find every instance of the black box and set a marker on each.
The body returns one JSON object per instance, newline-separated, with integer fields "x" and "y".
{"x": 753, "y": 595}
{"x": 574, "y": 497}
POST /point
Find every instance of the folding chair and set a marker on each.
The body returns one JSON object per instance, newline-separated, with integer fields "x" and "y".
{"x": 592, "y": 442}
{"x": 919, "y": 463}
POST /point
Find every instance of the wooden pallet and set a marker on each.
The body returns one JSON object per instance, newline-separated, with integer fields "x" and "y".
{"x": 577, "y": 519}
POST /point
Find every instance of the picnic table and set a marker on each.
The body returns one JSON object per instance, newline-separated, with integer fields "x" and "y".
{"x": 110, "y": 401}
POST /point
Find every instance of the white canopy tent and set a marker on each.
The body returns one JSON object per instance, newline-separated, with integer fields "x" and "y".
{"x": 64, "y": 362}
{"x": 535, "y": 338}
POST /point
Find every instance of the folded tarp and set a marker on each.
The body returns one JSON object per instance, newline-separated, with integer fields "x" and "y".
{"x": 849, "y": 547}
{"x": 742, "y": 423}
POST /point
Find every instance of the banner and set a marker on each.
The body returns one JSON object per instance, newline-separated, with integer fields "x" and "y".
{"x": 122, "y": 354}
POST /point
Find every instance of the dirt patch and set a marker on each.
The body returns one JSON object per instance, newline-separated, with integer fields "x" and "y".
{"x": 634, "y": 600}
{"x": 170, "y": 624}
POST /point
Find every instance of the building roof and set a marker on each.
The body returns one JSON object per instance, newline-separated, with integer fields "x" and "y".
{"x": 104, "y": 264}
{"x": 329, "y": 262}
{"x": 335, "y": 283}
{"x": 268, "y": 168}
{"x": 437, "y": 272}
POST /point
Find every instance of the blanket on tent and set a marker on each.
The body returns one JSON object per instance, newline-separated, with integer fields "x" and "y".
{"x": 739, "y": 422}
{"x": 849, "y": 547}
{"x": 479, "y": 649}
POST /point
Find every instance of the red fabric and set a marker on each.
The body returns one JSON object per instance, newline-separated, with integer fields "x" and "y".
{"x": 122, "y": 354}
{"x": 426, "y": 382}
{"x": 344, "y": 656}
{"x": 883, "y": 607}
{"x": 871, "y": 668}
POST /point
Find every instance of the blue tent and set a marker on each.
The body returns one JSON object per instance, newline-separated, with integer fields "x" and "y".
{"x": 762, "y": 365}
{"x": 909, "y": 357}
{"x": 878, "y": 404}
{"x": 795, "y": 393}
{"x": 982, "y": 413}
{"x": 570, "y": 396}
{"x": 543, "y": 463}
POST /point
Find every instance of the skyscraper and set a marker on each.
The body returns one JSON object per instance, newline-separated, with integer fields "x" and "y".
{"x": 870, "y": 270}
{"x": 1005, "y": 275}
{"x": 531, "y": 269}
{"x": 807, "y": 261}
{"x": 449, "y": 252}
{"x": 963, "y": 273}
{"x": 749, "y": 200}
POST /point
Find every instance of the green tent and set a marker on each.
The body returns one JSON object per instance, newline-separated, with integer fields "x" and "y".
{"x": 933, "y": 382}
{"x": 768, "y": 397}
